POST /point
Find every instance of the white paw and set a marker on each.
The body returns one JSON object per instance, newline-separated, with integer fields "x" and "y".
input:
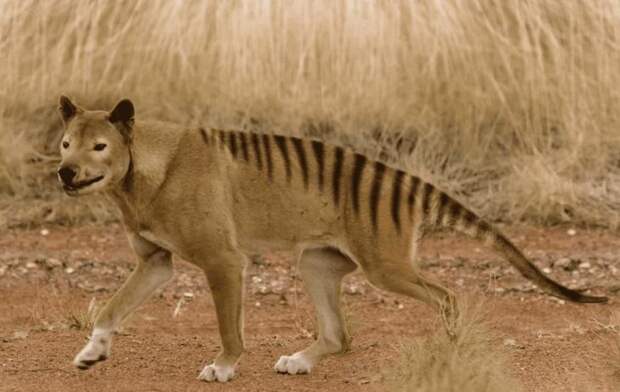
{"x": 96, "y": 350}
{"x": 293, "y": 364}
{"x": 217, "y": 373}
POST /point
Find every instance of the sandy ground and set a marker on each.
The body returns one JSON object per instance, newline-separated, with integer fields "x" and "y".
{"x": 49, "y": 276}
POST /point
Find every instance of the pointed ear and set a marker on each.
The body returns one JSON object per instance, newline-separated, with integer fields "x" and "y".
{"x": 122, "y": 114}
{"x": 67, "y": 109}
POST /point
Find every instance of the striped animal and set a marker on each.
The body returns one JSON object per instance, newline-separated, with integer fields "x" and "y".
{"x": 213, "y": 197}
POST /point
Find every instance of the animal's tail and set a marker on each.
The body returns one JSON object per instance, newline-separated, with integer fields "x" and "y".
{"x": 448, "y": 213}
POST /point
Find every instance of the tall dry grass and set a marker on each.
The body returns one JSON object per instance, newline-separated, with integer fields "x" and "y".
{"x": 471, "y": 361}
{"x": 513, "y": 105}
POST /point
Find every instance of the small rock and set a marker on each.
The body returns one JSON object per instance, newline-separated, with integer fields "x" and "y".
{"x": 571, "y": 232}
{"x": 584, "y": 265}
{"x": 31, "y": 265}
{"x": 188, "y": 295}
{"x": 257, "y": 304}
{"x": 278, "y": 287}
{"x": 45, "y": 232}
{"x": 353, "y": 289}
{"x": 69, "y": 270}
{"x": 509, "y": 342}
{"x": 558, "y": 300}
{"x": 53, "y": 263}
{"x": 547, "y": 270}
{"x": 20, "y": 334}
{"x": 401, "y": 306}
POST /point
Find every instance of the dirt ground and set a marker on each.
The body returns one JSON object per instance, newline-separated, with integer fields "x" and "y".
{"x": 49, "y": 276}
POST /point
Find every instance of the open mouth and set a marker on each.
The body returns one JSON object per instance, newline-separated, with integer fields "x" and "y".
{"x": 81, "y": 184}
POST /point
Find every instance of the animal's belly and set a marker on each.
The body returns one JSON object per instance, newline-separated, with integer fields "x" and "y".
{"x": 259, "y": 238}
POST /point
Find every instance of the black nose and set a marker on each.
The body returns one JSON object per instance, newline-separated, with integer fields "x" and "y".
{"x": 66, "y": 174}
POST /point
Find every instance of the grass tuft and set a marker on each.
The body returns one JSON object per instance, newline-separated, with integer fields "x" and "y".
{"x": 470, "y": 360}
{"x": 84, "y": 321}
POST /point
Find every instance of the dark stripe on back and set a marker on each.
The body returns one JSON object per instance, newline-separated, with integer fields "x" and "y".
{"x": 413, "y": 194}
{"x": 205, "y": 137}
{"x": 232, "y": 143}
{"x": 301, "y": 157}
{"x": 222, "y": 138}
{"x": 375, "y": 193}
{"x": 473, "y": 222}
{"x": 338, "y": 159}
{"x": 281, "y": 143}
{"x": 257, "y": 151}
{"x": 396, "y": 189}
{"x": 455, "y": 211}
{"x": 356, "y": 179}
{"x": 427, "y": 194}
{"x": 442, "y": 205}
{"x": 470, "y": 218}
{"x": 319, "y": 155}
{"x": 267, "y": 144}
{"x": 244, "y": 146}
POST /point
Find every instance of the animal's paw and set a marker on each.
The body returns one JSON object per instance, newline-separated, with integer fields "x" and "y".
{"x": 217, "y": 373}
{"x": 293, "y": 364}
{"x": 97, "y": 350}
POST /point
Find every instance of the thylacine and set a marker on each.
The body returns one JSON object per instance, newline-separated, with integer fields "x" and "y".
{"x": 213, "y": 197}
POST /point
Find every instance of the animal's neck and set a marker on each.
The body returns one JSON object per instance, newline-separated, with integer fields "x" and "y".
{"x": 138, "y": 188}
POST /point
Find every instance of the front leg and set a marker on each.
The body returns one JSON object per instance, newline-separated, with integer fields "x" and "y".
{"x": 154, "y": 268}
{"x": 225, "y": 276}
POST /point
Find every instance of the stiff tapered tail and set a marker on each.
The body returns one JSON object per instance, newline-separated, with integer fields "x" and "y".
{"x": 463, "y": 220}
{"x": 530, "y": 271}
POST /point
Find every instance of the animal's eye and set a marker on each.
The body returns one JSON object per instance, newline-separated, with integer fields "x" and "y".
{"x": 100, "y": 146}
{"x": 65, "y": 144}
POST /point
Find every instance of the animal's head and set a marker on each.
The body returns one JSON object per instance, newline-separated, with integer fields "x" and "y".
{"x": 95, "y": 147}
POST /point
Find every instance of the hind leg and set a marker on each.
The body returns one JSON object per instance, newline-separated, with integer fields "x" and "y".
{"x": 403, "y": 279}
{"x": 322, "y": 271}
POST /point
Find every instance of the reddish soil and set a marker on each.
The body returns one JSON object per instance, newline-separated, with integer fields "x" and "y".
{"x": 48, "y": 278}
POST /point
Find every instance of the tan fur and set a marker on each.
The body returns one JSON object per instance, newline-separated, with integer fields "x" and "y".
{"x": 212, "y": 198}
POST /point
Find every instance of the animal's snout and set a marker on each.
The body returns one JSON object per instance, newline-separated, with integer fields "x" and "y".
{"x": 66, "y": 174}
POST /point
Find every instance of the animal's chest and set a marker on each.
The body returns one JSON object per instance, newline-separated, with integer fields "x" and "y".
{"x": 155, "y": 227}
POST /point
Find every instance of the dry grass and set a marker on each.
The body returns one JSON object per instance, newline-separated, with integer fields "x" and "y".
{"x": 84, "y": 320}
{"x": 514, "y": 105}
{"x": 471, "y": 362}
